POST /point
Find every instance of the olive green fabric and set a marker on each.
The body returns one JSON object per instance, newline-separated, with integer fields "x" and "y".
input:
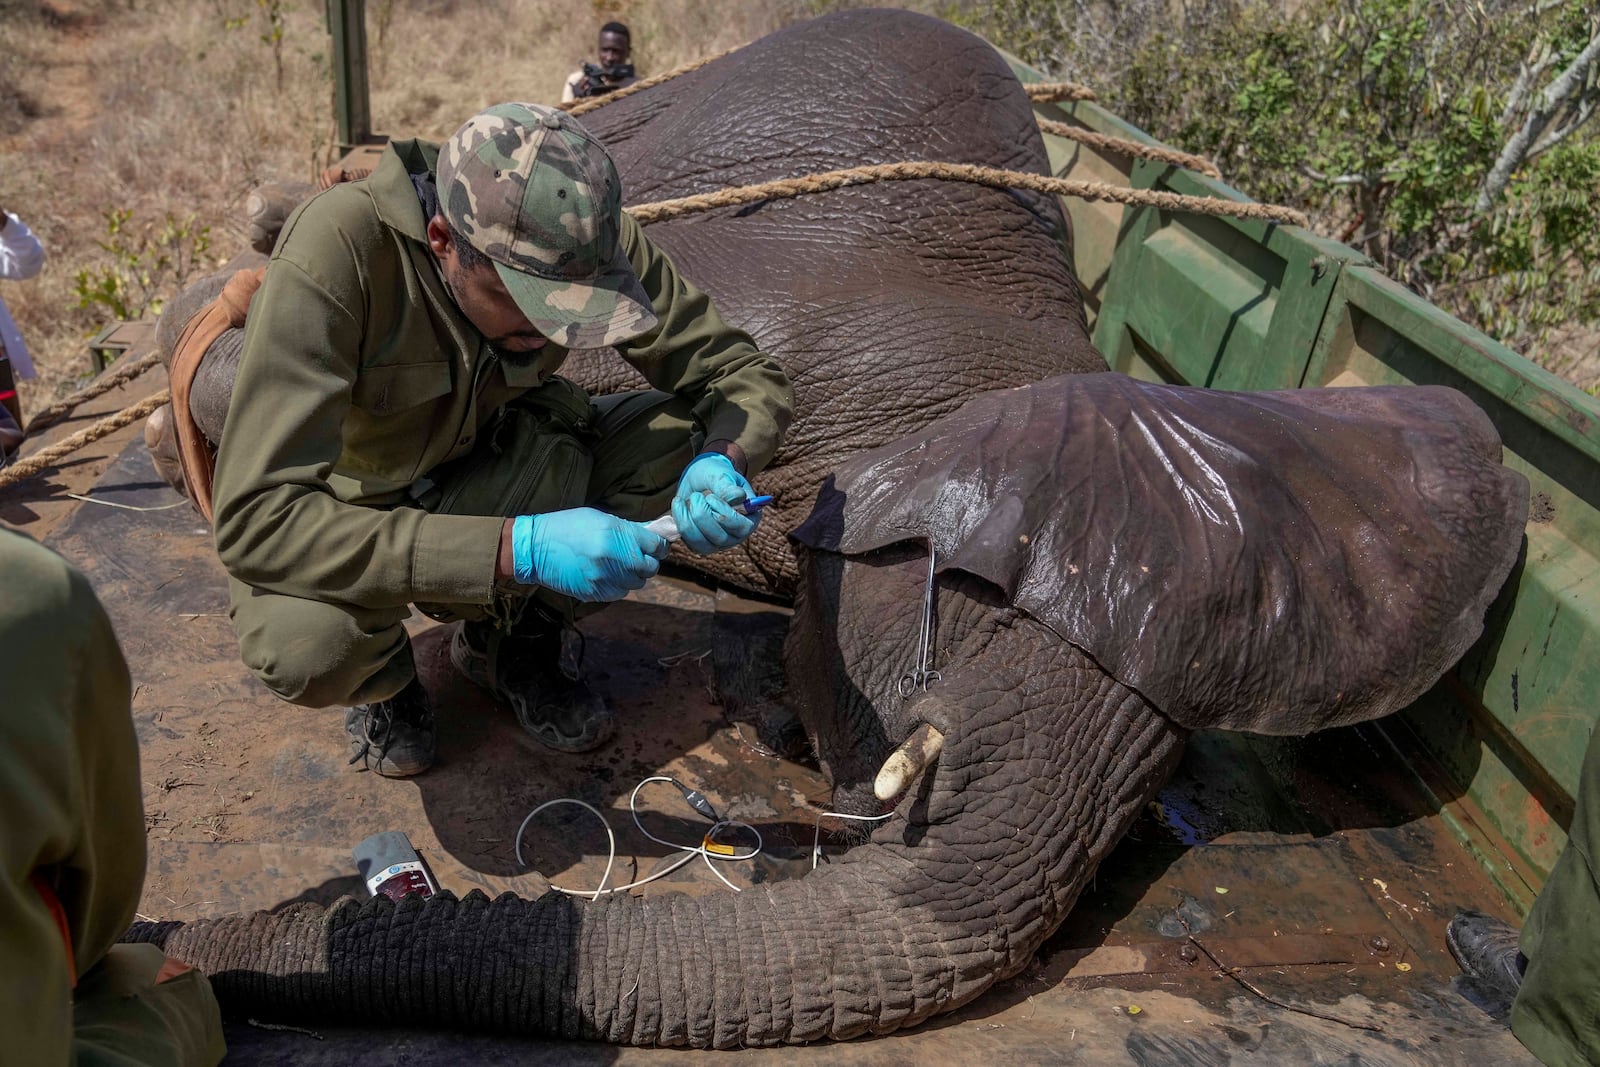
{"x": 123, "y": 1017}
{"x": 69, "y": 787}
{"x": 359, "y": 376}
{"x": 1557, "y": 1011}
{"x": 630, "y": 449}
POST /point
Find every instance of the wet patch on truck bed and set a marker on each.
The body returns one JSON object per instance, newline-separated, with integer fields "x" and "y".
{"x": 1282, "y": 901}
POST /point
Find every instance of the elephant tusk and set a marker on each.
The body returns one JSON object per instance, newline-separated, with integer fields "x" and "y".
{"x": 908, "y": 761}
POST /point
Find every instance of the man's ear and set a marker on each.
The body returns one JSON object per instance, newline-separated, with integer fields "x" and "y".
{"x": 439, "y": 237}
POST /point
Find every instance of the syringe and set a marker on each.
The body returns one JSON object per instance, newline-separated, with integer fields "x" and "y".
{"x": 666, "y": 526}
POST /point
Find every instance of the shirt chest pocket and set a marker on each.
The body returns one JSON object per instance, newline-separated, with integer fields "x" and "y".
{"x": 390, "y": 388}
{"x": 397, "y": 412}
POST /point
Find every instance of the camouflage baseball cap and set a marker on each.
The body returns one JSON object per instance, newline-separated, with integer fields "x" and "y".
{"x": 536, "y": 193}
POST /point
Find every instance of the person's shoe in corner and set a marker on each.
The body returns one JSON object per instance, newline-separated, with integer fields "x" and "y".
{"x": 395, "y": 737}
{"x": 1485, "y": 948}
{"x": 549, "y": 696}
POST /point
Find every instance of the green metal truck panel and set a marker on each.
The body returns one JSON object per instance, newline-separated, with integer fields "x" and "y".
{"x": 1242, "y": 304}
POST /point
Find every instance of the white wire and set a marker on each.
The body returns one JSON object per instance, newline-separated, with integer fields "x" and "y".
{"x": 816, "y": 839}
{"x": 124, "y": 507}
{"x": 610, "y": 837}
{"x": 689, "y": 851}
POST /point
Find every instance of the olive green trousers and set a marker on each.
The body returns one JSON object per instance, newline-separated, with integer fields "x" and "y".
{"x": 1557, "y": 1011}
{"x": 552, "y": 448}
{"x": 72, "y": 840}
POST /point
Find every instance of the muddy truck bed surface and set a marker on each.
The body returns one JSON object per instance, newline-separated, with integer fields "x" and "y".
{"x": 1283, "y": 900}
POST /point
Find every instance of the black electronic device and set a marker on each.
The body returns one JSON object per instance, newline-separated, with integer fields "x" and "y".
{"x": 598, "y": 79}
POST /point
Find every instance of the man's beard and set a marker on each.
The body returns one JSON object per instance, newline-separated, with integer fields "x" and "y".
{"x": 516, "y": 359}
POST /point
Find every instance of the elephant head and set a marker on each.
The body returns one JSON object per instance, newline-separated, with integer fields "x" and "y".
{"x": 888, "y": 305}
{"x": 1118, "y": 564}
{"x": 1273, "y": 562}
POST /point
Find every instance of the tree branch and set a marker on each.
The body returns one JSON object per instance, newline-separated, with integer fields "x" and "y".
{"x": 1562, "y": 133}
{"x": 1369, "y": 180}
{"x": 1531, "y": 70}
{"x": 1517, "y": 150}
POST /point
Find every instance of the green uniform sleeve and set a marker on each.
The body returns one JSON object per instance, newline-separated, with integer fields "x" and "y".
{"x": 69, "y": 787}
{"x": 279, "y": 527}
{"x": 739, "y": 393}
{"x": 123, "y": 1017}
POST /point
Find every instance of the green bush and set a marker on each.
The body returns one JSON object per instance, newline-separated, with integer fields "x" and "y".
{"x": 1383, "y": 119}
{"x": 145, "y": 266}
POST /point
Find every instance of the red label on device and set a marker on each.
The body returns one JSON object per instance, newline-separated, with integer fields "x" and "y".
{"x": 401, "y": 879}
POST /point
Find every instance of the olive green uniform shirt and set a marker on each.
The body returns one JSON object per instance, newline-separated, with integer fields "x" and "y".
{"x": 1557, "y": 1011}
{"x": 359, "y": 375}
{"x": 73, "y": 818}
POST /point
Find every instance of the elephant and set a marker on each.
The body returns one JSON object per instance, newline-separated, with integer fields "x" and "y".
{"x": 888, "y": 305}
{"x": 1113, "y": 564}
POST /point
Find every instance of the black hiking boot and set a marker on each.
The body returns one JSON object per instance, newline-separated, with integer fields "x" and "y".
{"x": 395, "y": 737}
{"x": 1485, "y": 948}
{"x": 535, "y": 670}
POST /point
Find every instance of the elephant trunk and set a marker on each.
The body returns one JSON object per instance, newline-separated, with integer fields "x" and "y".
{"x": 941, "y": 904}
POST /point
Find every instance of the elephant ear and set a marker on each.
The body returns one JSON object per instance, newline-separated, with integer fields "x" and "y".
{"x": 1276, "y": 562}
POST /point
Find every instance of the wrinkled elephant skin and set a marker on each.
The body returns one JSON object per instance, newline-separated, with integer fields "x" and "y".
{"x": 889, "y": 304}
{"x": 1231, "y": 526}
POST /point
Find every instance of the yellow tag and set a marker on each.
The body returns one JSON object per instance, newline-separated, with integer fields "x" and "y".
{"x": 716, "y": 847}
{"x": 1134, "y": 1009}
{"x": 1402, "y": 966}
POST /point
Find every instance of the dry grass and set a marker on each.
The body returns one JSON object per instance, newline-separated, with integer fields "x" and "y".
{"x": 172, "y": 107}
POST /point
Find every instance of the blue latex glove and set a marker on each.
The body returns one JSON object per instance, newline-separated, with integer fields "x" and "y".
{"x": 703, "y": 510}
{"x": 585, "y": 554}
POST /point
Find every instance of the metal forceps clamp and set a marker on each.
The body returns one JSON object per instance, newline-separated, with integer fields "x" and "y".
{"x": 920, "y": 676}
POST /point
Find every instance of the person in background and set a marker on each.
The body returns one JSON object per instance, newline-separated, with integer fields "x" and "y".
{"x": 72, "y": 851}
{"x": 21, "y": 257}
{"x": 612, "y": 72}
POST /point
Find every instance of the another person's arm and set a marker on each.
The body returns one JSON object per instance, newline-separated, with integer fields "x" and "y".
{"x": 72, "y": 855}
{"x": 21, "y": 254}
{"x": 569, "y": 89}
{"x": 740, "y": 395}
{"x": 278, "y": 524}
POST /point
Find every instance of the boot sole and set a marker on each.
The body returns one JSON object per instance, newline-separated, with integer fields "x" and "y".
{"x": 474, "y": 667}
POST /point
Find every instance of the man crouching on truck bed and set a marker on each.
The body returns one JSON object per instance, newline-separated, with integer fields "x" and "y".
{"x": 398, "y": 433}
